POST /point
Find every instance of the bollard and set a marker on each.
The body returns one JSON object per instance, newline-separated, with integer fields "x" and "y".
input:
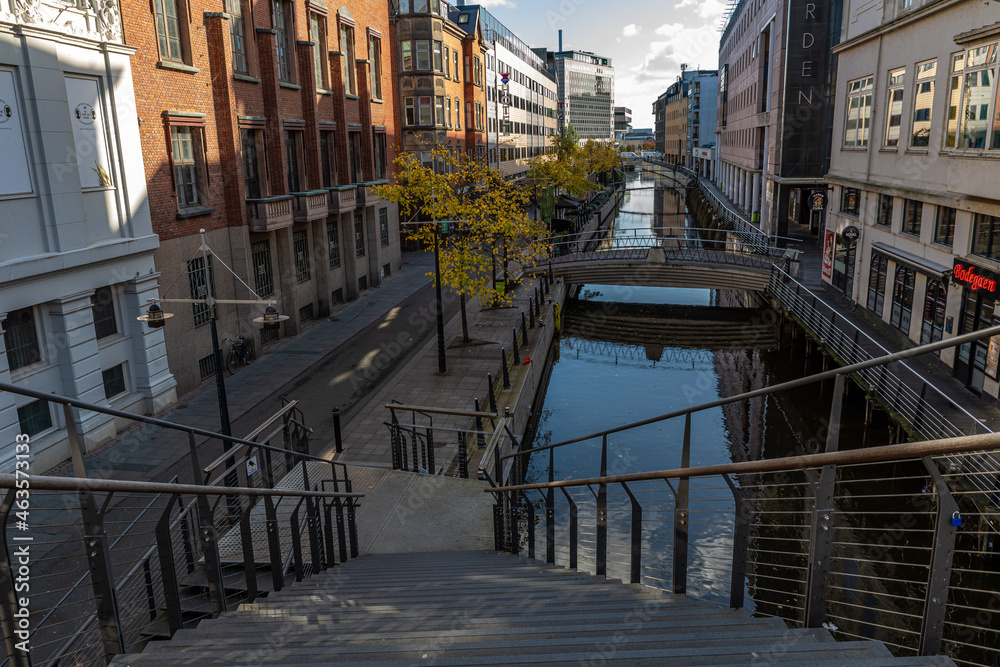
{"x": 517, "y": 357}
{"x": 336, "y": 430}
{"x": 524, "y": 329}
{"x": 506, "y": 373}
{"x": 531, "y": 311}
{"x": 493, "y": 398}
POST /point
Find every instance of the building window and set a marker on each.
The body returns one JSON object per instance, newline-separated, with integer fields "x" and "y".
{"x": 206, "y": 366}
{"x": 447, "y": 63}
{"x": 337, "y": 296}
{"x": 362, "y": 283}
{"x": 973, "y": 87}
{"x": 375, "y": 58}
{"x": 447, "y": 112}
{"x": 383, "y": 226}
{"x": 406, "y": 54}
{"x": 333, "y": 244}
{"x": 420, "y": 6}
{"x": 438, "y": 60}
{"x": 169, "y": 24}
{"x": 20, "y": 337}
{"x": 300, "y": 246}
{"x": 986, "y": 236}
{"x": 454, "y": 65}
{"x": 328, "y": 158}
{"x": 894, "y": 106}
{"x": 359, "y": 234}
{"x": 923, "y": 102}
{"x": 932, "y": 329}
{"x": 876, "y": 283}
{"x": 902, "y": 299}
{"x": 458, "y": 114}
{"x": 850, "y": 201}
{"x": 188, "y": 156}
{"x": 425, "y": 109}
{"x": 404, "y": 6}
{"x": 238, "y": 36}
{"x": 34, "y": 418}
{"x": 380, "y": 155}
{"x": 105, "y": 322}
{"x": 114, "y": 381}
{"x": 350, "y": 69}
{"x": 292, "y": 160}
{"x": 251, "y": 164}
{"x": 944, "y": 228}
{"x": 199, "y": 288}
{"x": 859, "y": 111}
{"x": 439, "y": 109}
{"x": 423, "y": 53}
{"x": 913, "y": 212}
{"x": 281, "y": 20}
{"x": 306, "y": 313}
{"x": 260, "y": 253}
{"x": 884, "y": 214}
{"x": 354, "y": 144}
{"x": 317, "y": 35}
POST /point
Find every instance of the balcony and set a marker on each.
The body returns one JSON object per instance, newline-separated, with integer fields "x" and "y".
{"x": 310, "y": 205}
{"x": 269, "y": 213}
{"x": 341, "y": 199}
{"x": 366, "y": 193}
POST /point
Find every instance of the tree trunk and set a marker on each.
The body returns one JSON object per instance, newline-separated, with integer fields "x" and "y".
{"x": 465, "y": 322}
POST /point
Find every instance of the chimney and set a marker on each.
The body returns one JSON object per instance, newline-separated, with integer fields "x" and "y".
{"x": 560, "y": 41}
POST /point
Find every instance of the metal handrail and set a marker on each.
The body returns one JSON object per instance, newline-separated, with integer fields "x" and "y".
{"x": 8, "y": 481}
{"x": 911, "y": 450}
{"x": 788, "y": 278}
{"x": 784, "y": 386}
{"x": 439, "y": 411}
{"x": 492, "y": 445}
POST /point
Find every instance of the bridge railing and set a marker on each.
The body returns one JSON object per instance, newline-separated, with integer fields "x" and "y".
{"x": 901, "y": 552}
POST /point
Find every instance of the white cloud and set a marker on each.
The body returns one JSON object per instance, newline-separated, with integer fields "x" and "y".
{"x": 706, "y": 9}
{"x": 491, "y": 4}
{"x": 694, "y": 46}
{"x": 631, "y": 30}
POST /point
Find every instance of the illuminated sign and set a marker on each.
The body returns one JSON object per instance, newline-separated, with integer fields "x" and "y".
{"x": 975, "y": 278}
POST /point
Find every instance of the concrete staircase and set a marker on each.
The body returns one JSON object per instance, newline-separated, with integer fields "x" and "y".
{"x": 483, "y": 608}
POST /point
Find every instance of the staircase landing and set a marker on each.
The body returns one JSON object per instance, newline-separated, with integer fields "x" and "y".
{"x": 484, "y": 608}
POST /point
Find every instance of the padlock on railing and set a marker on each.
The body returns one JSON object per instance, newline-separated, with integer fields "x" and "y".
{"x": 956, "y": 519}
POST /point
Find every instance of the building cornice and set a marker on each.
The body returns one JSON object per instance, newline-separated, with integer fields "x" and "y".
{"x": 895, "y": 24}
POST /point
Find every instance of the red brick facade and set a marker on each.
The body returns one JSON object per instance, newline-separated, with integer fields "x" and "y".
{"x": 278, "y": 243}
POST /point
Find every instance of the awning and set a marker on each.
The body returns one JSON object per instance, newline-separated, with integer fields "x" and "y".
{"x": 920, "y": 264}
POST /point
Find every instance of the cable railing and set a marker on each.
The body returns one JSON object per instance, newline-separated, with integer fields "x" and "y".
{"x": 115, "y": 564}
{"x": 826, "y": 539}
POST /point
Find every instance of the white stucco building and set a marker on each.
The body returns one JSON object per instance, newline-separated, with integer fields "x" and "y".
{"x": 76, "y": 242}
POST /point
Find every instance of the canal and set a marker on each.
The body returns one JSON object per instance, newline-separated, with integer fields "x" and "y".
{"x": 630, "y": 353}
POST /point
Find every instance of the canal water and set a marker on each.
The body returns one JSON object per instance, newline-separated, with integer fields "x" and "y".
{"x": 631, "y": 353}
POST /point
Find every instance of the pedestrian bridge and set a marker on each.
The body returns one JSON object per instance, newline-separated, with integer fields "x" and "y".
{"x": 664, "y": 257}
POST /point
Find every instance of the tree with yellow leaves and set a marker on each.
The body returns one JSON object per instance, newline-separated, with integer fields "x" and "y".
{"x": 483, "y": 218}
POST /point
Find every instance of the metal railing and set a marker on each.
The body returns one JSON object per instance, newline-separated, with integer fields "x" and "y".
{"x": 903, "y": 555}
{"x": 116, "y": 563}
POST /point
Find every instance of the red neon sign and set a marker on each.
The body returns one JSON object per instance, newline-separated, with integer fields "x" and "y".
{"x": 976, "y": 281}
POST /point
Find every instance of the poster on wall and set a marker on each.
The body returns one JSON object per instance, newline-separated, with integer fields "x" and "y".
{"x": 828, "y": 256}
{"x": 87, "y": 120}
{"x": 993, "y": 354}
{"x": 15, "y": 178}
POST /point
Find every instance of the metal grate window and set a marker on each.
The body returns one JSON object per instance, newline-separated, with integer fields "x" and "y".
{"x": 34, "y": 417}
{"x": 114, "y": 381}
{"x": 300, "y": 246}
{"x": 362, "y": 283}
{"x": 206, "y": 366}
{"x": 199, "y": 289}
{"x": 267, "y": 336}
{"x": 359, "y": 234}
{"x": 337, "y": 296}
{"x": 306, "y": 313}
{"x": 263, "y": 278}
{"x": 333, "y": 244}
{"x": 20, "y": 337}
{"x": 383, "y": 226}
{"x": 105, "y": 323}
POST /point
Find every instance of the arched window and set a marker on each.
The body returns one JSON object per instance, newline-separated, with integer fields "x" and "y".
{"x": 902, "y": 299}
{"x": 932, "y": 328}
{"x": 876, "y": 283}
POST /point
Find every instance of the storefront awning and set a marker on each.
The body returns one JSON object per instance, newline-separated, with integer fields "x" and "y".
{"x": 920, "y": 264}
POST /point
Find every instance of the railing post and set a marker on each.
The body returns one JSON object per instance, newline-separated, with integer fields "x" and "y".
{"x": 352, "y": 523}
{"x": 531, "y": 527}
{"x": 635, "y": 560}
{"x": 480, "y": 438}
{"x": 249, "y": 557}
{"x": 273, "y": 544}
{"x": 681, "y": 516}
{"x": 430, "y": 450}
{"x": 601, "y": 557}
{"x": 741, "y": 536}
{"x": 8, "y": 600}
{"x": 821, "y": 535}
{"x": 165, "y": 551}
{"x": 936, "y": 601}
{"x": 550, "y": 514}
{"x": 463, "y": 464}
{"x": 296, "y": 543}
{"x": 572, "y": 529}
{"x": 331, "y": 558}
{"x": 397, "y": 458}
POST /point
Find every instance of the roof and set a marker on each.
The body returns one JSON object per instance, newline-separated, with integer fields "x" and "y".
{"x": 472, "y": 24}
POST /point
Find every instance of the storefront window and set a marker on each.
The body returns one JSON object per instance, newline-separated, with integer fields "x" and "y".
{"x": 876, "y": 283}
{"x": 986, "y": 236}
{"x": 843, "y": 266}
{"x": 902, "y": 299}
{"x": 932, "y": 329}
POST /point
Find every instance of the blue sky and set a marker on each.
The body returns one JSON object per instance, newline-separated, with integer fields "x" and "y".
{"x": 646, "y": 39}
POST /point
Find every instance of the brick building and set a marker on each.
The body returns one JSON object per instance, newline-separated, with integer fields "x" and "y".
{"x": 265, "y": 124}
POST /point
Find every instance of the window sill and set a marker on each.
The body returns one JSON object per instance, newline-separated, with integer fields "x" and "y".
{"x": 108, "y": 341}
{"x": 194, "y": 212}
{"x": 849, "y": 214}
{"x": 888, "y": 149}
{"x": 29, "y": 370}
{"x": 917, "y": 151}
{"x": 970, "y": 152}
{"x": 177, "y": 67}
{"x": 949, "y": 247}
{"x": 351, "y": 97}
{"x": 376, "y": 100}
{"x": 854, "y": 149}
{"x": 320, "y": 91}
{"x": 289, "y": 86}
{"x": 246, "y": 77}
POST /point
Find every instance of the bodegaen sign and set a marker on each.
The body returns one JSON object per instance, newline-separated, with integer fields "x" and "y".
{"x": 975, "y": 278}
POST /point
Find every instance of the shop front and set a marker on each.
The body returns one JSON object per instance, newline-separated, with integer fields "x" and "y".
{"x": 974, "y": 364}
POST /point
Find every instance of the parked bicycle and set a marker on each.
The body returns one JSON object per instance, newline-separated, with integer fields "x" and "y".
{"x": 240, "y": 352}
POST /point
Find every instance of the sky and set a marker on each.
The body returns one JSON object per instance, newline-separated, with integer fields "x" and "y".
{"x": 647, "y": 40}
